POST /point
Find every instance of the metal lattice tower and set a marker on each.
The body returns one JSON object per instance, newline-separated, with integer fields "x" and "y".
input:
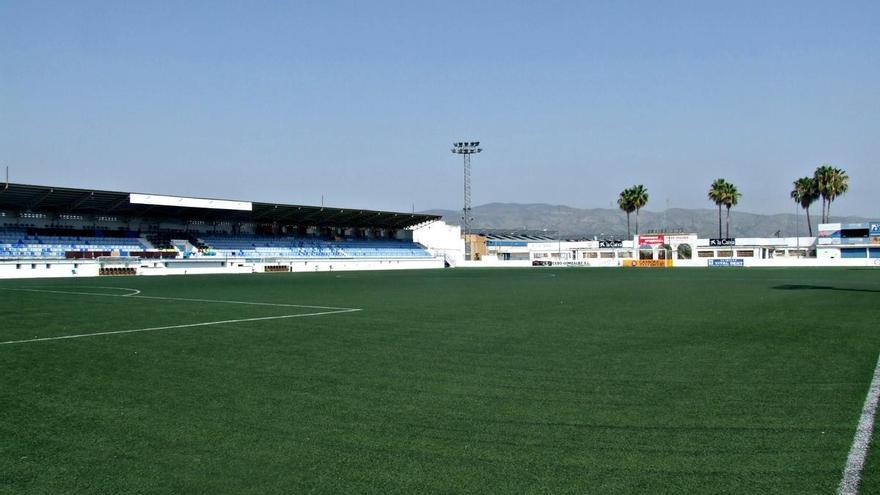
{"x": 466, "y": 149}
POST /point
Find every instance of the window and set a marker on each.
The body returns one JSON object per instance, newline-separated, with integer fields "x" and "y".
{"x": 705, "y": 254}
{"x": 591, "y": 254}
{"x": 624, "y": 254}
{"x": 684, "y": 252}
{"x": 608, "y": 254}
{"x": 725, "y": 254}
{"x": 745, "y": 254}
{"x": 664, "y": 252}
{"x": 646, "y": 252}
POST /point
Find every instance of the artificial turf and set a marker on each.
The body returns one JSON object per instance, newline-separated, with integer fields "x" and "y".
{"x": 457, "y": 381}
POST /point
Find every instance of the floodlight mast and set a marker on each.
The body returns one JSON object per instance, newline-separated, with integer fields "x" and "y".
{"x": 466, "y": 149}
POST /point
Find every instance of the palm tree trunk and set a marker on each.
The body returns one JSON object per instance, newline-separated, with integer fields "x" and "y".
{"x": 637, "y": 221}
{"x": 828, "y": 216}
{"x": 719, "y": 220}
{"x": 727, "y": 225}
{"x": 824, "y": 218}
{"x": 628, "y": 231}
{"x": 809, "y": 226}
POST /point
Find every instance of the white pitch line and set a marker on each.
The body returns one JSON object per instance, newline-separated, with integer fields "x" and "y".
{"x": 132, "y": 292}
{"x": 133, "y": 296}
{"x": 852, "y": 472}
{"x": 169, "y": 327}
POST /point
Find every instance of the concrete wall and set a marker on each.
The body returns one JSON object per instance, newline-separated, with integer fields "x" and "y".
{"x": 47, "y": 269}
{"x": 785, "y": 262}
{"x": 90, "y": 268}
{"x": 441, "y": 239}
{"x": 491, "y": 261}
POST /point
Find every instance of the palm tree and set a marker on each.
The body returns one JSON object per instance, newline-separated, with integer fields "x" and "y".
{"x": 639, "y": 196}
{"x": 731, "y": 198}
{"x": 831, "y": 183}
{"x": 717, "y": 194}
{"x": 624, "y": 201}
{"x": 838, "y": 185}
{"x": 805, "y": 193}
{"x": 822, "y": 176}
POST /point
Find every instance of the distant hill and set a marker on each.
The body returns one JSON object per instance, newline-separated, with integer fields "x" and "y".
{"x": 604, "y": 222}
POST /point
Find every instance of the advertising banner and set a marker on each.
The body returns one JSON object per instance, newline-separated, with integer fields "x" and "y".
{"x": 652, "y": 240}
{"x": 727, "y": 262}
{"x": 506, "y": 243}
{"x": 647, "y": 263}
{"x": 608, "y": 243}
{"x": 875, "y": 230}
{"x": 829, "y": 230}
{"x": 724, "y": 241}
{"x": 678, "y": 238}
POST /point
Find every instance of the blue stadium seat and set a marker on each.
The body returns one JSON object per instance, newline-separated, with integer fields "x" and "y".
{"x": 262, "y": 246}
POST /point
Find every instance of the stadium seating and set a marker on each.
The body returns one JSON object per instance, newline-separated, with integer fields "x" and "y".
{"x": 20, "y": 243}
{"x": 262, "y": 246}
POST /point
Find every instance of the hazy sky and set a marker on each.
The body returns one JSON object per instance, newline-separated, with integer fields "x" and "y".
{"x": 360, "y": 101}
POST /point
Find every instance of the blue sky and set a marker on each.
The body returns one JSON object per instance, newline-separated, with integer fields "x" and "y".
{"x": 359, "y": 101}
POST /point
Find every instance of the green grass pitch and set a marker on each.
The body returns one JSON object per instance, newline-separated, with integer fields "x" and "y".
{"x": 454, "y": 381}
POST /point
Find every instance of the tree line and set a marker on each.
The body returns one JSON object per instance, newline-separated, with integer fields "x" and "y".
{"x": 828, "y": 182}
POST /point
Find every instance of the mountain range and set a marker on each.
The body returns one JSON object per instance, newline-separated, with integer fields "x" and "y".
{"x": 570, "y": 222}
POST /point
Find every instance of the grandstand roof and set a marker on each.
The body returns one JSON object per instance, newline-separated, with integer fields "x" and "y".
{"x": 518, "y": 235}
{"x": 66, "y": 200}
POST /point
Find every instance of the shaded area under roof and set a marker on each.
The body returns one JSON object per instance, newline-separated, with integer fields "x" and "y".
{"x": 65, "y": 200}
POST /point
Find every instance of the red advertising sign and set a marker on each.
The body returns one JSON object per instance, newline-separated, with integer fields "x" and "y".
{"x": 652, "y": 240}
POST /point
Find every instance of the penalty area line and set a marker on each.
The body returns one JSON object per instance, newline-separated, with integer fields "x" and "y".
{"x": 855, "y": 461}
{"x": 187, "y": 325}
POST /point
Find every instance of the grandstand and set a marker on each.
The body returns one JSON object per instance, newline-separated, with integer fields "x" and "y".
{"x": 55, "y": 231}
{"x": 51, "y": 243}
{"x": 247, "y": 245}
